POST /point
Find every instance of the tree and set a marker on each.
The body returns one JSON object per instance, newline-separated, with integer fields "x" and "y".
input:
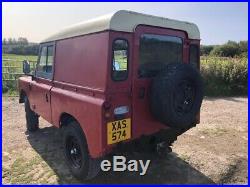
{"x": 10, "y": 41}
{"x": 206, "y": 49}
{"x": 14, "y": 41}
{"x": 243, "y": 46}
{"x": 4, "y": 41}
{"x": 20, "y": 46}
{"x": 22, "y": 41}
{"x": 230, "y": 49}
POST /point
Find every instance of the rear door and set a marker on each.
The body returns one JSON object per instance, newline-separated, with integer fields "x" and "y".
{"x": 41, "y": 86}
{"x": 153, "y": 49}
{"x": 119, "y": 86}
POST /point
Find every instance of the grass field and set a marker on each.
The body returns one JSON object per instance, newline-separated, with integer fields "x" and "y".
{"x": 12, "y": 69}
{"x": 14, "y": 62}
{"x": 19, "y": 57}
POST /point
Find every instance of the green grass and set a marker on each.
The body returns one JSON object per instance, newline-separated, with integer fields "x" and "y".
{"x": 12, "y": 70}
{"x": 214, "y": 131}
{"x": 19, "y": 57}
{"x": 21, "y": 171}
{"x": 15, "y": 61}
{"x": 122, "y": 61}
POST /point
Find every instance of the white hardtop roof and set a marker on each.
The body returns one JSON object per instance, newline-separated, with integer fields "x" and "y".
{"x": 125, "y": 21}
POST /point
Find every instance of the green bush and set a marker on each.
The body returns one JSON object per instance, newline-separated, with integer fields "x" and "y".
{"x": 243, "y": 46}
{"x": 230, "y": 49}
{"x": 9, "y": 86}
{"x": 224, "y": 76}
{"x": 206, "y": 49}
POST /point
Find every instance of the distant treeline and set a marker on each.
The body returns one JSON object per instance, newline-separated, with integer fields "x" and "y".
{"x": 19, "y": 46}
{"x": 229, "y": 49}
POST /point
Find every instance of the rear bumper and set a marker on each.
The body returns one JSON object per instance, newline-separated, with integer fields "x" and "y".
{"x": 144, "y": 143}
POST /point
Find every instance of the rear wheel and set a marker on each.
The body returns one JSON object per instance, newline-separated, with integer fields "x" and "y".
{"x": 82, "y": 166}
{"x": 32, "y": 121}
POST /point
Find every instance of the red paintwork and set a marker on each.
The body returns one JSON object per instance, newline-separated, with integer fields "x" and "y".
{"x": 82, "y": 83}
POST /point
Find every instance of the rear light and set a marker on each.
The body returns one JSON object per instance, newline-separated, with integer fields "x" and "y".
{"x": 106, "y": 106}
{"x": 107, "y": 114}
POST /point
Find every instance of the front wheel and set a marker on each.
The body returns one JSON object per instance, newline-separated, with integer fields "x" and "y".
{"x": 32, "y": 121}
{"x": 82, "y": 166}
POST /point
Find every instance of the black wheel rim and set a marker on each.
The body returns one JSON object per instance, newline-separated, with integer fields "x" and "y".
{"x": 184, "y": 97}
{"x": 73, "y": 152}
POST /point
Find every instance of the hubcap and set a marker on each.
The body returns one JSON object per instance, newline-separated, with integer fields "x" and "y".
{"x": 74, "y": 152}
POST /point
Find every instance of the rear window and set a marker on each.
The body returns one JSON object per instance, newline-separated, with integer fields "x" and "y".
{"x": 120, "y": 60}
{"x": 194, "y": 55}
{"x": 156, "y": 51}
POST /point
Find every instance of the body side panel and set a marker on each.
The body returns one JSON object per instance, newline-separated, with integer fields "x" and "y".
{"x": 83, "y": 61}
{"x": 80, "y": 83}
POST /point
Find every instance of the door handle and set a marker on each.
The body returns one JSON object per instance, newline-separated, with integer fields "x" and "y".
{"x": 47, "y": 97}
{"x": 142, "y": 92}
{"x": 30, "y": 86}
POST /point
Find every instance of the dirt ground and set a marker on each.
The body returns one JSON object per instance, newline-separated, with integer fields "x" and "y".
{"x": 213, "y": 152}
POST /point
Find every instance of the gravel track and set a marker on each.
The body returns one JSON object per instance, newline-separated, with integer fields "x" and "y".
{"x": 213, "y": 152}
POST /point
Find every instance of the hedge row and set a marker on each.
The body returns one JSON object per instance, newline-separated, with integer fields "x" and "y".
{"x": 225, "y": 76}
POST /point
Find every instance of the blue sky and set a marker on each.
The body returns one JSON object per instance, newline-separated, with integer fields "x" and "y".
{"x": 218, "y": 22}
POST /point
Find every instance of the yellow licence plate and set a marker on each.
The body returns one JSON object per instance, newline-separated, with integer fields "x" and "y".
{"x": 119, "y": 130}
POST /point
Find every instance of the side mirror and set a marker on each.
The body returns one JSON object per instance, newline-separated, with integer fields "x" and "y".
{"x": 26, "y": 67}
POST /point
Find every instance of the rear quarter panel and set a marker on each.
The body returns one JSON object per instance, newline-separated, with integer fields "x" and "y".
{"x": 87, "y": 110}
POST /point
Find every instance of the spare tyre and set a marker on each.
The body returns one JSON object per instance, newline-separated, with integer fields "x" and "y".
{"x": 176, "y": 95}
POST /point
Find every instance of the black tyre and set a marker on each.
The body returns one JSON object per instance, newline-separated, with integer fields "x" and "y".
{"x": 176, "y": 95}
{"x": 82, "y": 166}
{"x": 32, "y": 121}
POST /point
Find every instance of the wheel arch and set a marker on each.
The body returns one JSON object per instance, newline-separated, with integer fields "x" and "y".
{"x": 22, "y": 95}
{"x": 66, "y": 118}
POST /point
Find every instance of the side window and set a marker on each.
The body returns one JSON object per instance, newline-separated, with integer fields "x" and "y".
{"x": 194, "y": 55}
{"x": 50, "y": 58}
{"x": 120, "y": 60}
{"x": 45, "y": 63}
{"x": 41, "y": 66}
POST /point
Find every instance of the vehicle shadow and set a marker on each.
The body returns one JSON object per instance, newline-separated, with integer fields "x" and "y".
{"x": 233, "y": 99}
{"x": 168, "y": 170}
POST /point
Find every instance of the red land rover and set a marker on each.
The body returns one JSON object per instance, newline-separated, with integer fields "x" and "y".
{"x": 121, "y": 79}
